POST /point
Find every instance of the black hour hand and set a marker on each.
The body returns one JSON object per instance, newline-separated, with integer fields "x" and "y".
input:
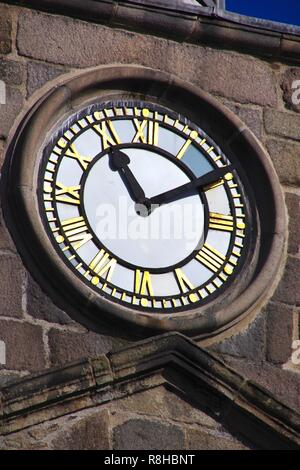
{"x": 119, "y": 161}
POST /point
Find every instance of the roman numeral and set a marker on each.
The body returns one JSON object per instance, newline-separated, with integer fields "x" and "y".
{"x": 193, "y": 135}
{"x": 67, "y": 194}
{"x": 221, "y": 222}
{"x": 76, "y": 231}
{"x": 142, "y": 283}
{"x": 146, "y": 132}
{"x": 183, "y": 282}
{"x": 103, "y": 265}
{"x": 108, "y": 134}
{"x": 210, "y": 257}
{"x": 73, "y": 153}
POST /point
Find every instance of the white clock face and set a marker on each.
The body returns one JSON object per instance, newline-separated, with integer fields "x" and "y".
{"x": 143, "y": 207}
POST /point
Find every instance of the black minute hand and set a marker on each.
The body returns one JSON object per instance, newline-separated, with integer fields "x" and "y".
{"x": 182, "y": 191}
{"x": 120, "y": 162}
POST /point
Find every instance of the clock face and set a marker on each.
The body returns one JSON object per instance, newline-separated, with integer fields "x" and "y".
{"x": 144, "y": 208}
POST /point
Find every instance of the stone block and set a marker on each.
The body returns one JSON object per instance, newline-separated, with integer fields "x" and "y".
{"x": 11, "y": 281}
{"x": 293, "y": 206}
{"x": 24, "y": 345}
{"x": 38, "y": 74}
{"x": 233, "y": 76}
{"x": 144, "y": 434}
{"x": 279, "y": 333}
{"x": 88, "y": 433}
{"x": 249, "y": 343}
{"x": 40, "y": 306}
{"x": 251, "y": 117}
{"x": 288, "y": 290}
{"x": 282, "y": 124}
{"x": 11, "y": 72}
{"x": 198, "y": 439}
{"x": 6, "y": 242}
{"x": 286, "y": 159}
{"x": 67, "y": 346}
{"x": 5, "y": 30}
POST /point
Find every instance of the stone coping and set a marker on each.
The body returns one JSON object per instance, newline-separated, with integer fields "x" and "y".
{"x": 182, "y": 366}
{"x": 209, "y": 25}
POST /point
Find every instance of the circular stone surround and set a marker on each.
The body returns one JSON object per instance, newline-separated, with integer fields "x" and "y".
{"x": 21, "y": 212}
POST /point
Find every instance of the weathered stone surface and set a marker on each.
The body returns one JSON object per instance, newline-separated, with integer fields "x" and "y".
{"x": 293, "y": 206}
{"x": 89, "y": 433}
{"x": 11, "y": 280}
{"x": 249, "y": 343}
{"x": 144, "y": 434}
{"x": 251, "y": 117}
{"x": 5, "y": 30}
{"x": 291, "y": 95}
{"x": 197, "y": 439}
{"x": 40, "y": 306}
{"x": 283, "y": 384}
{"x": 7, "y": 378}
{"x": 67, "y": 346}
{"x": 84, "y": 44}
{"x": 6, "y": 242}
{"x": 165, "y": 405}
{"x": 279, "y": 333}
{"x": 282, "y": 124}
{"x": 286, "y": 159}
{"x": 24, "y": 345}
{"x": 10, "y": 110}
{"x": 288, "y": 290}
{"x": 230, "y": 75}
{"x": 11, "y": 72}
{"x": 38, "y": 74}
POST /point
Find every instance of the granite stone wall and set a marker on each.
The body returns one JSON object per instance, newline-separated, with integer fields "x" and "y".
{"x": 36, "y": 48}
{"x": 147, "y": 420}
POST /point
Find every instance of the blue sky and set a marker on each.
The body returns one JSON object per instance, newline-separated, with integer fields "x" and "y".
{"x": 284, "y": 11}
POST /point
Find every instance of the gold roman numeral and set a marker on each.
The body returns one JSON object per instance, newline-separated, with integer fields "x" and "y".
{"x": 210, "y": 257}
{"x": 73, "y": 153}
{"x": 76, "y": 232}
{"x": 142, "y": 283}
{"x": 146, "y": 131}
{"x": 193, "y": 136}
{"x": 221, "y": 222}
{"x": 103, "y": 265}
{"x": 108, "y": 134}
{"x": 67, "y": 194}
{"x": 184, "y": 283}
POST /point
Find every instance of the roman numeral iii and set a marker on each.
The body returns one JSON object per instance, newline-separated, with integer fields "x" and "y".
{"x": 221, "y": 222}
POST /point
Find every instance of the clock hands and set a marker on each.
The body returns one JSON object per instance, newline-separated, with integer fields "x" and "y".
{"x": 119, "y": 162}
{"x": 182, "y": 191}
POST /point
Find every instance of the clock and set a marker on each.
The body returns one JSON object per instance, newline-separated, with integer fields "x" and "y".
{"x": 144, "y": 207}
{"x": 139, "y": 202}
